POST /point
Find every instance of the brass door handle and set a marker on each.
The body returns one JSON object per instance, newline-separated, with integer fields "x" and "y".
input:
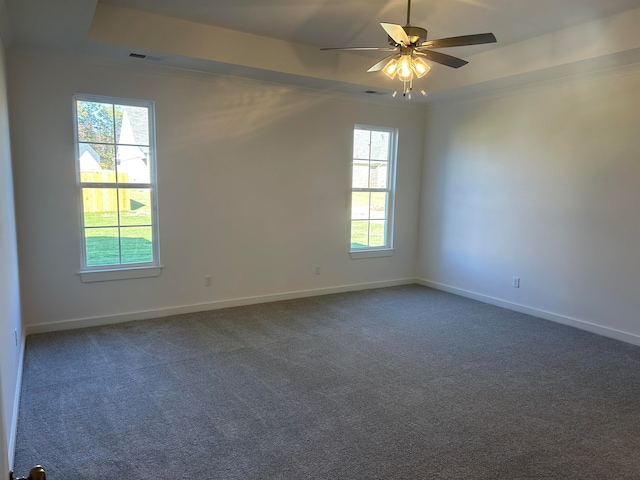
{"x": 36, "y": 473}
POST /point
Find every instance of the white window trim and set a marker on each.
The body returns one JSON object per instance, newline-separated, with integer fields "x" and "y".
{"x": 100, "y": 273}
{"x": 90, "y": 276}
{"x": 387, "y": 250}
{"x": 382, "y": 252}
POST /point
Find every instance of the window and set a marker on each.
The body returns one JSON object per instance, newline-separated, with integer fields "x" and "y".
{"x": 116, "y": 177}
{"x": 372, "y": 188}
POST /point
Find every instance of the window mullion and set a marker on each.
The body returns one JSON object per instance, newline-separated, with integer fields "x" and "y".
{"x": 133, "y": 186}
{"x": 119, "y": 223}
{"x": 112, "y": 143}
{"x": 115, "y": 141}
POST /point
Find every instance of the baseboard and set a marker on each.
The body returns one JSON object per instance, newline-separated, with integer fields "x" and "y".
{"x": 238, "y": 302}
{"x": 553, "y": 317}
{"x": 16, "y": 404}
{"x": 200, "y": 307}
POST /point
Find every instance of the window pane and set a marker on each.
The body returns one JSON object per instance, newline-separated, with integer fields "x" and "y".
{"x": 102, "y": 246}
{"x": 379, "y": 145}
{"x": 114, "y": 150}
{"x": 359, "y": 234}
{"x": 135, "y": 206}
{"x": 374, "y": 159}
{"x": 378, "y": 209}
{"x": 132, "y": 125}
{"x": 97, "y": 162}
{"x": 100, "y": 207}
{"x": 360, "y": 174}
{"x": 378, "y": 174}
{"x": 133, "y": 164}
{"x": 136, "y": 244}
{"x": 361, "y": 139}
{"x": 95, "y": 122}
{"x": 359, "y": 205}
{"x": 377, "y": 233}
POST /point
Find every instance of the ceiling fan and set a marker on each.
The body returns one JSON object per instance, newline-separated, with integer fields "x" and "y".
{"x": 409, "y": 47}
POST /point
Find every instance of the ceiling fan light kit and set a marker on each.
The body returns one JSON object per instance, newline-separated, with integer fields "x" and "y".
{"x": 409, "y": 47}
{"x": 405, "y": 68}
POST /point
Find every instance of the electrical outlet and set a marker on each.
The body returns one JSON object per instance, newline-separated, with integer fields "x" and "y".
{"x": 208, "y": 281}
{"x": 317, "y": 270}
{"x": 516, "y": 282}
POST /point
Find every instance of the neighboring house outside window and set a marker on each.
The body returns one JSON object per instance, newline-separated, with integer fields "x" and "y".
{"x": 372, "y": 189}
{"x": 116, "y": 175}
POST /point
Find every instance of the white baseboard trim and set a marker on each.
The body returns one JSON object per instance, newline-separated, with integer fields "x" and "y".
{"x": 238, "y": 302}
{"x": 13, "y": 432}
{"x": 200, "y": 307}
{"x": 553, "y": 317}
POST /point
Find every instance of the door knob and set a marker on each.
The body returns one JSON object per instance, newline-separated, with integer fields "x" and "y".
{"x": 36, "y": 473}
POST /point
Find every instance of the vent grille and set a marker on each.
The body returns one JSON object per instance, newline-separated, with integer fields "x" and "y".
{"x": 143, "y": 56}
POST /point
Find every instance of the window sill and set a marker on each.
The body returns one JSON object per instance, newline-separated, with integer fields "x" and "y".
{"x": 387, "y": 252}
{"x": 90, "y": 276}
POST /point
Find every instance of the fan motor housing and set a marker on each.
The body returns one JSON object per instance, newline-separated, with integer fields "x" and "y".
{"x": 416, "y": 35}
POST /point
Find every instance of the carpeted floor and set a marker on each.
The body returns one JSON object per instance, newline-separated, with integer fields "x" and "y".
{"x": 397, "y": 383}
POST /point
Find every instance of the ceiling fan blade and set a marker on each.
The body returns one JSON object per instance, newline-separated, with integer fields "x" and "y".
{"x": 371, "y": 49}
{"x": 397, "y": 33}
{"x": 442, "y": 58}
{"x": 462, "y": 41}
{"x": 380, "y": 65}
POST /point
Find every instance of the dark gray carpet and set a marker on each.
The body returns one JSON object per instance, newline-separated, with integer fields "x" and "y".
{"x": 396, "y": 383}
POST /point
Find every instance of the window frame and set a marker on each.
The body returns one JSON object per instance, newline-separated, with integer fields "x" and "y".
{"x": 119, "y": 271}
{"x": 392, "y": 158}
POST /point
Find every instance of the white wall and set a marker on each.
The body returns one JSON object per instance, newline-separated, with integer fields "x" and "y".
{"x": 254, "y": 185}
{"x": 542, "y": 183}
{"x": 10, "y": 320}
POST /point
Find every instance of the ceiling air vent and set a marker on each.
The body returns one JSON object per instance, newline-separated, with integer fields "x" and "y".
{"x": 143, "y": 56}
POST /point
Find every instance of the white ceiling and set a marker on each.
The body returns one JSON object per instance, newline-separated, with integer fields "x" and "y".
{"x": 337, "y": 23}
{"x": 284, "y": 35}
